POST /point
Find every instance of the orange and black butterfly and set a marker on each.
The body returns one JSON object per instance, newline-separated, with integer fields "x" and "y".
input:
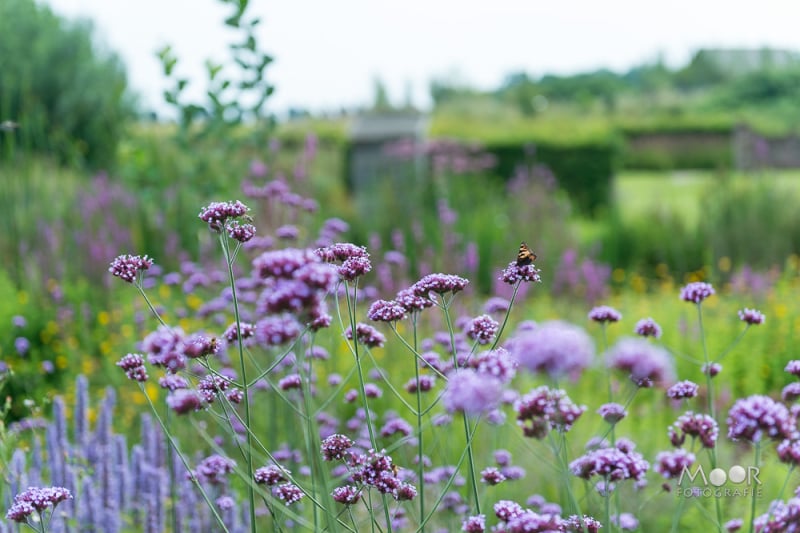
{"x": 525, "y": 256}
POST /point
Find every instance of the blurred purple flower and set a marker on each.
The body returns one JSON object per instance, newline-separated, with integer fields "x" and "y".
{"x": 470, "y": 392}
{"x": 683, "y": 389}
{"x": 605, "y": 313}
{"x": 751, "y": 316}
{"x": 555, "y": 347}
{"x": 647, "y": 327}
{"x": 647, "y": 364}
{"x": 671, "y": 464}
{"x": 22, "y": 345}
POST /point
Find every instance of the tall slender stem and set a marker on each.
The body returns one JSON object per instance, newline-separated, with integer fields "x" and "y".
{"x": 251, "y": 495}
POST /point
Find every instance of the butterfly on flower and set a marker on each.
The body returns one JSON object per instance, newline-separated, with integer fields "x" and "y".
{"x": 525, "y": 256}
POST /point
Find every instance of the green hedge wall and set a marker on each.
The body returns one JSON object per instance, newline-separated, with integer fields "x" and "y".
{"x": 585, "y": 171}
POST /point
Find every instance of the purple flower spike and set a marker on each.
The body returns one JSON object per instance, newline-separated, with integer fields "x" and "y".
{"x": 696, "y": 292}
{"x": 605, "y": 313}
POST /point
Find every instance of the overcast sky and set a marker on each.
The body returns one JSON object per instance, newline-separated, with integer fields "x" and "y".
{"x": 328, "y": 52}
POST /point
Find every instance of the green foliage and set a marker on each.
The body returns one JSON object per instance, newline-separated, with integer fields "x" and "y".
{"x": 752, "y": 222}
{"x": 584, "y": 171}
{"x": 645, "y": 241}
{"x": 68, "y": 97}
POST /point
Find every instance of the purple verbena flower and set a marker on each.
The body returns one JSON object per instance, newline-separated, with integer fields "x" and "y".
{"x": 482, "y": 329}
{"x": 683, "y": 389}
{"x": 696, "y": 292}
{"x": 216, "y": 214}
{"x": 496, "y": 363}
{"x": 183, "y": 401}
{"x": 793, "y": 368}
{"x": 471, "y": 393}
{"x": 411, "y": 302}
{"x": 173, "y": 382}
{"x": 270, "y": 475}
{"x": 647, "y": 327}
{"x": 611, "y": 464}
{"x": 213, "y": 469}
{"x": 425, "y": 384}
{"x": 647, "y": 364}
{"x": 789, "y": 452}
{"x": 439, "y": 284}
{"x": 36, "y": 499}
{"x": 341, "y": 251}
{"x": 733, "y": 525}
{"x": 288, "y": 493}
{"x": 751, "y": 316}
{"x": 335, "y": 446}
{"x": 367, "y": 335}
{"x": 671, "y": 464}
{"x": 696, "y": 425}
{"x": 386, "y": 311}
{"x": 556, "y": 348}
{"x": 128, "y": 267}
{"x": 757, "y": 416}
{"x": 474, "y": 524}
{"x": 543, "y": 408}
{"x": 515, "y": 273}
{"x": 496, "y": 304}
{"x": 605, "y": 313}
{"x": 232, "y": 332}
{"x": 133, "y": 365}
{"x": 347, "y": 495}
{"x": 276, "y": 330}
{"x": 612, "y": 412}
{"x": 791, "y": 392}
{"x": 241, "y": 232}
{"x": 492, "y": 476}
{"x": 711, "y": 369}
{"x": 625, "y": 521}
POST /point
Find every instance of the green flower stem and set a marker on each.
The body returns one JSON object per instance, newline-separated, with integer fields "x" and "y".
{"x": 471, "y": 463}
{"x": 351, "y": 312}
{"x": 756, "y": 459}
{"x": 251, "y": 496}
{"x": 505, "y": 318}
{"x": 710, "y": 407}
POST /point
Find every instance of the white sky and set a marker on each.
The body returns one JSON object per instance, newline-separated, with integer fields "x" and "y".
{"x": 328, "y": 52}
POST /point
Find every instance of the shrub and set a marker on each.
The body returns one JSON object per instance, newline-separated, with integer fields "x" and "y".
{"x": 67, "y": 96}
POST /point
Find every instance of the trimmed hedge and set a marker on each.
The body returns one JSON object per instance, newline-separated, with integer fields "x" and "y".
{"x": 584, "y": 171}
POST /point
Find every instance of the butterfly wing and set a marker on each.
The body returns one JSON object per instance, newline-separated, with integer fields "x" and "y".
{"x": 525, "y": 256}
